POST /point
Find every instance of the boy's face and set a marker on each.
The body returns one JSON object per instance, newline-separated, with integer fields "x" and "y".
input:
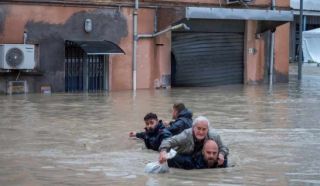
{"x": 151, "y": 124}
{"x": 174, "y": 113}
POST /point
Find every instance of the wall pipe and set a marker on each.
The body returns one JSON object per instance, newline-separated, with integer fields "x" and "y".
{"x": 135, "y": 41}
{"x": 300, "y": 41}
{"x": 170, "y": 28}
{"x": 273, "y": 5}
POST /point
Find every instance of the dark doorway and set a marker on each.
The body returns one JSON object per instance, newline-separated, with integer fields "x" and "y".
{"x": 173, "y": 69}
{"x": 84, "y": 72}
{"x": 207, "y": 59}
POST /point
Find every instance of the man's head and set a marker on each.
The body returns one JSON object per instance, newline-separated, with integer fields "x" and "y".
{"x": 210, "y": 153}
{"x": 200, "y": 127}
{"x": 176, "y": 109}
{"x": 151, "y": 120}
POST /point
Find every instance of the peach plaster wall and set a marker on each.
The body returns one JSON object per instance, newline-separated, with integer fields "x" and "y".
{"x": 253, "y": 62}
{"x": 163, "y": 56}
{"x": 281, "y": 64}
{"x": 120, "y": 67}
{"x": 22, "y": 14}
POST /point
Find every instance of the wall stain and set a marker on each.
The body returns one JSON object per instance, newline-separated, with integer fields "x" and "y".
{"x": 3, "y": 15}
{"x": 281, "y": 77}
{"x": 108, "y": 24}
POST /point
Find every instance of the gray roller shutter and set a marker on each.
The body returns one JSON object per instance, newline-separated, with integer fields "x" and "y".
{"x": 207, "y": 59}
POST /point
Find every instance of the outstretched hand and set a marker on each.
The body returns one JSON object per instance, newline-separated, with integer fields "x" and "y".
{"x": 166, "y": 123}
{"x": 132, "y": 134}
{"x": 163, "y": 157}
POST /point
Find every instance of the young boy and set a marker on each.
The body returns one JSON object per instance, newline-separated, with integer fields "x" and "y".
{"x": 154, "y": 133}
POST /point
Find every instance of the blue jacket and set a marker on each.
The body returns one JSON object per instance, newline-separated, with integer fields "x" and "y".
{"x": 184, "y": 121}
{"x": 153, "y": 139}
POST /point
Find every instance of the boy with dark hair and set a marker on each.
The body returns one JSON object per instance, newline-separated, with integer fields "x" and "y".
{"x": 154, "y": 133}
{"x": 182, "y": 119}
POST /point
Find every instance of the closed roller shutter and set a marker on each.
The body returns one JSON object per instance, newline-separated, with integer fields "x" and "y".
{"x": 207, "y": 59}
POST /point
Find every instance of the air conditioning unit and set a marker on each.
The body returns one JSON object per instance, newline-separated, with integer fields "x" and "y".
{"x": 17, "y": 56}
{"x": 238, "y": 1}
{"x": 232, "y": 1}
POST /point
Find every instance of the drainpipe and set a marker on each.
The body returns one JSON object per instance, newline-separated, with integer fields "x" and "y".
{"x": 135, "y": 41}
{"x": 300, "y": 41}
{"x": 170, "y": 28}
{"x": 273, "y": 5}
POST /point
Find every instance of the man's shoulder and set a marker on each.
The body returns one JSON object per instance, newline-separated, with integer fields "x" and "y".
{"x": 212, "y": 133}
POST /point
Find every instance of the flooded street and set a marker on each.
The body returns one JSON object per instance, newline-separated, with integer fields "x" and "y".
{"x": 82, "y": 139}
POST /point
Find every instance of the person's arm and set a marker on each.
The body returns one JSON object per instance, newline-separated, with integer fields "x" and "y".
{"x": 141, "y": 135}
{"x": 165, "y": 134}
{"x": 169, "y": 143}
{"x": 223, "y": 150}
{"x": 176, "y": 126}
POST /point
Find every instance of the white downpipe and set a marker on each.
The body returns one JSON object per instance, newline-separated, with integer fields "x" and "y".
{"x": 135, "y": 41}
{"x": 271, "y": 60}
{"x": 272, "y": 51}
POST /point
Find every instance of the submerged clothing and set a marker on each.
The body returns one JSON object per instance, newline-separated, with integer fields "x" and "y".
{"x": 181, "y": 161}
{"x": 184, "y": 142}
{"x": 184, "y": 121}
{"x": 200, "y": 163}
{"x": 187, "y": 162}
{"x": 153, "y": 139}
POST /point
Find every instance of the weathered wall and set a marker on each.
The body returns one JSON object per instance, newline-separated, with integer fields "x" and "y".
{"x": 253, "y": 55}
{"x": 50, "y": 26}
{"x": 255, "y": 64}
{"x": 281, "y": 64}
{"x": 146, "y": 50}
{"x": 280, "y": 3}
{"x": 122, "y": 70}
{"x": 163, "y": 58}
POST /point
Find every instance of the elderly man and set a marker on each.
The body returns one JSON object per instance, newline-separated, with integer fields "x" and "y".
{"x": 191, "y": 141}
{"x": 182, "y": 117}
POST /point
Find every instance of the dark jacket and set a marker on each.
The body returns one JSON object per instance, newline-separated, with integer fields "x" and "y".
{"x": 153, "y": 139}
{"x": 183, "y": 161}
{"x": 200, "y": 163}
{"x": 184, "y": 121}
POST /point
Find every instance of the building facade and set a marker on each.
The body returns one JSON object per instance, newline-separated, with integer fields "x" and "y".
{"x": 77, "y": 43}
{"x": 311, "y": 20}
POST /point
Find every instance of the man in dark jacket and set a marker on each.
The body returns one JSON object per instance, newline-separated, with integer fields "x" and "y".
{"x": 182, "y": 117}
{"x": 207, "y": 159}
{"x": 154, "y": 133}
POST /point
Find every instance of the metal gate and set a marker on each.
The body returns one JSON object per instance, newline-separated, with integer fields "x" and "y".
{"x": 83, "y": 72}
{"x": 207, "y": 59}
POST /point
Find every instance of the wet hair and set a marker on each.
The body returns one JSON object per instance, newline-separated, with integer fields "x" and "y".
{"x": 179, "y": 107}
{"x": 150, "y": 116}
{"x": 199, "y": 119}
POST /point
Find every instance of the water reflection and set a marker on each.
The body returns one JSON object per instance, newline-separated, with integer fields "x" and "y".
{"x": 82, "y": 139}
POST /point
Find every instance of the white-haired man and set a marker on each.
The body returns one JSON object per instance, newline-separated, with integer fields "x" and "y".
{"x": 191, "y": 141}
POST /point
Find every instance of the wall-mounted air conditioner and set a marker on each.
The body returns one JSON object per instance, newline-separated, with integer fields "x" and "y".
{"x": 237, "y": 1}
{"x": 17, "y": 56}
{"x": 232, "y": 1}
